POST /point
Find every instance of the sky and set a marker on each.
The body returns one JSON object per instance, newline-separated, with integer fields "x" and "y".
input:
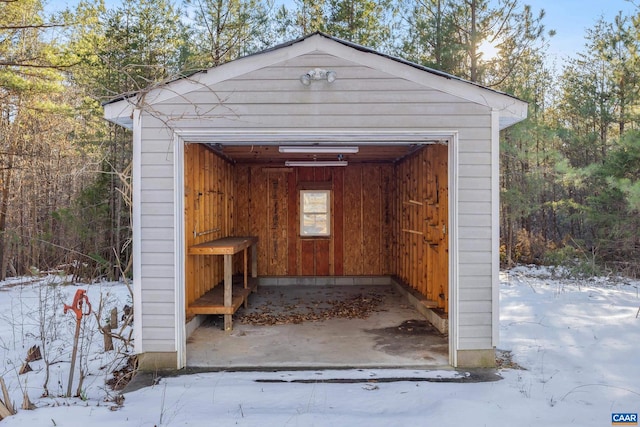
{"x": 569, "y": 18}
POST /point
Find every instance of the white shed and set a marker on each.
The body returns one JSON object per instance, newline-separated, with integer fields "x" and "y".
{"x": 408, "y": 190}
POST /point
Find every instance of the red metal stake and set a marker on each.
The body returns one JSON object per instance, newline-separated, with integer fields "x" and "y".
{"x": 76, "y": 307}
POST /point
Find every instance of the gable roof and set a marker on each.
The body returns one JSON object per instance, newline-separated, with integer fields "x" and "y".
{"x": 512, "y": 110}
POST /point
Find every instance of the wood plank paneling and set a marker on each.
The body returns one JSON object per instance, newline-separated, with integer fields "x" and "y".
{"x": 292, "y": 225}
{"x": 353, "y": 244}
{"x": 393, "y": 225}
{"x": 278, "y": 250}
{"x": 386, "y": 219}
{"x": 442, "y": 267}
{"x": 208, "y": 196}
{"x": 338, "y": 221}
{"x": 261, "y": 214}
{"x": 425, "y": 267}
{"x": 371, "y": 220}
{"x": 322, "y": 259}
{"x": 361, "y": 220}
{"x": 241, "y": 177}
{"x": 423, "y": 236}
{"x": 307, "y": 258}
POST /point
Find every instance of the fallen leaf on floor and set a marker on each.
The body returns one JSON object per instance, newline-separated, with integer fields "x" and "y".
{"x": 356, "y": 307}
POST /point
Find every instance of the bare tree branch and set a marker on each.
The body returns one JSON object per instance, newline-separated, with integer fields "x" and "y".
{"x": 34, "y": 65}
{"x": 27, "y": 26}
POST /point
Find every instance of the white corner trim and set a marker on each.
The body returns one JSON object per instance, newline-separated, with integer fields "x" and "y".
{"x": 179, "y": 252}
{"x": 136, "y": 223}
{"x": 453, "y": 250}
{"x": 495, "y": 227}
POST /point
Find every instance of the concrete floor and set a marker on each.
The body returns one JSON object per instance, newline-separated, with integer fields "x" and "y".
{"x": 394, "y": 335}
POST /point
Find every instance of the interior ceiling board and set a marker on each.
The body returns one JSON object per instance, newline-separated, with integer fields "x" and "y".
{"x": 269, "y": 154}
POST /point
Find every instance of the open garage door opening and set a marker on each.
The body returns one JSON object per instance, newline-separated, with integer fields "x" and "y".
{"x": 351, "y": 254}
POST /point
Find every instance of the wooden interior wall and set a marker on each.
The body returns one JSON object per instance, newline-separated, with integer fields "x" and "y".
{"x": 423, "y": 210}
{"x": 386, "y": 219}
{"x": 267, "y": 206}
{"x": 209, "y": 212}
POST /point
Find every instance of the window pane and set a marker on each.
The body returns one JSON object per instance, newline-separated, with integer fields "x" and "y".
{"x": 315, "y": 224}
{"x": 315, "y": 202}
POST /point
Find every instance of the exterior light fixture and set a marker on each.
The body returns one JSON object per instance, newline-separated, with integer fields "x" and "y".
{"x": 315, "y": 163}
{"x": 320, "y": 149}
{"x": 318, "y": 74}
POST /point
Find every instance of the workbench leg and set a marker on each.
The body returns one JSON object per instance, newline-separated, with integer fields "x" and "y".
{"x": 254, "y": 264}
{"x": 246, "y": 280}
{"x": 228, "y": 297}
{"x": 254, "y": 260}
{"x": 245, "y": 268}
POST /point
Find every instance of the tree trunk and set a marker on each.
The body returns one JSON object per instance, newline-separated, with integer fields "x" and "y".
{"x": 4, "y": 205}
{"x": 473, "y": 45}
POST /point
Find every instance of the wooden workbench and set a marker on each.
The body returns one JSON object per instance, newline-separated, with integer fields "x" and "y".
{"x": 226, "y": 303}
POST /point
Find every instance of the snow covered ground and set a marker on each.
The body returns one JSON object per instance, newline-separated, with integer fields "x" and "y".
{"x": 578, "y": 342}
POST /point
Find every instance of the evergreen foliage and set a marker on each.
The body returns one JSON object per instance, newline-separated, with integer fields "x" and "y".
{"x": 570, "y": 181}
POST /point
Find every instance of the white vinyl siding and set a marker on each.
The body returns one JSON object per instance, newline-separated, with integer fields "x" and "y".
{"x": 158, "y": 241}
{"x": 475, "y": 292}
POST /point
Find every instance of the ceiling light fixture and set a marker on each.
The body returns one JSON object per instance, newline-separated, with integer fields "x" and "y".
{"x": 289, "y": 163}
{"x": 319, "y": 149}
{"x": 318, "y": 74}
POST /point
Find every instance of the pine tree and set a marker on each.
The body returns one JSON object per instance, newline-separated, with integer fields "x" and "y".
{"x": 310, "y": 16}
{"x": 223, "y": 30}
{"x": 36, "y": 156}
{"x": 366, "y": 22}
{"x": 430, "y": 35}
{"x": 595, "y": 109}
{"x": 455, "y": 31}
{"x": 121, "y": 51}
